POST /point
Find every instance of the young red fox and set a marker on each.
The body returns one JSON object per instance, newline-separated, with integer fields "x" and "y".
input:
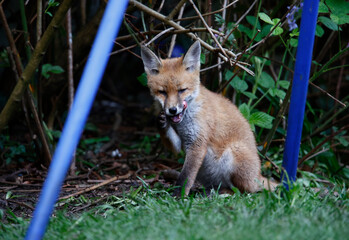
{"x": 218, "y": 141}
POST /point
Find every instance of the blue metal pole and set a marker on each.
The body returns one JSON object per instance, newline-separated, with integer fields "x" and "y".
{"x": 78, "y": 114}
{"x": 299, "y": 89}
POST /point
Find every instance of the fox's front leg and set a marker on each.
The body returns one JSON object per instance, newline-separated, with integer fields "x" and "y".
{"x": 193, "y": 161}
{"x": 168, "y": 135}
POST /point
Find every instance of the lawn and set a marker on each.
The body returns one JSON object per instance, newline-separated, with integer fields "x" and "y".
{"x": 302, "y": 213}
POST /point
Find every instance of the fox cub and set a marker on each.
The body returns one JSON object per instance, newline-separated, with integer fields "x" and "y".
{"x": 219, "y": 144}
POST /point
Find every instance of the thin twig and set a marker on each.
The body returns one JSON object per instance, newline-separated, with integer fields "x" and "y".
{"x": 70, "y": 76}
{"x": 38, "y": 20}
{"x": 124, "y": 49}
{"x": 136, "y": 55}
{"x": 161, "y": 5}
{"x": 243, "y": 52}
{"x": 83, "y": 12}
{"x": 316, "y": 154}
{"x": 126, "y": 176}
{"x": 171, "y": 23}
{"x": 11, "y": 40}
{"x": 25, "y": 109}
{"x": 208, "y": 28}
{"x": 238, "y": 22}
{"x": 21, "y": 204}
{"x": 258, "y": 44}
{"x": 219, "y": 60}
{"x": 320, "y": 89}
{"x": 244, "y": 15}
{"x": 176, "y": 9}
{"x": 159, "y": 35}
{"x": 207, "y": 14}
{"x": 277, "y": 121}
{"x": 41, "y": 132}
{"x": 340, "y": 78}
{"x": 173, "y": 39}
{"x": 25, "y": 29}
{"x": 40, "y": 49}
{"x": 151, "y": 32}
{"x": 28, "y": 97}
{"x": 311, "y": 152}
{"x": 212, "y": 66}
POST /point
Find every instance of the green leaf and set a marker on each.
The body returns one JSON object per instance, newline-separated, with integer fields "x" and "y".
{"x": 311, "y": 109}
{"x": 277, "y": 92}
{"x": 265, "y": 30}
{"x": 250, "y": 95}
{"x": 338, "y": 6}
{"x": 343, "y": 141}
{"x": 202, "y": 58}
{"x": 252, "y": 20}
{"x": 295, "y": 32}
{"x": 228, "y": 75}
{"x": 277, "y": 31}
{"x": 316, "y": 63}
{"x": 261, "y": 119}
{"x": 276, "y": 21}
{"x": 219, "y": 19}
{"x": 340, "y": 18}
{"x": 8, "y": 195}
{"x": 284, "y": 84}
{"x": 328, "y": 23}
{"x": 323, "y": 8}
{"x": 293, "y": 42}
{"x": 246, "y": 30}
{"x": 266, "y": 80}
{"x": 49, "y": 68}
{"x": 238, "y": 84}
{"x": 245, "y": 111}
{"x": 319, "y": 31}
{"x": 89, "y": 141}
{"x": 143, "y": 79}
{"x": 264, "y": 17}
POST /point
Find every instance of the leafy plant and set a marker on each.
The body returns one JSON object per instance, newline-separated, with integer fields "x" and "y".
{"x": 48, "y": 68}
{"x": 51, "y": 4}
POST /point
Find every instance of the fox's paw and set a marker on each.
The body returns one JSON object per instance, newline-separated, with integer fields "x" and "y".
{"x": 162, "y": 120}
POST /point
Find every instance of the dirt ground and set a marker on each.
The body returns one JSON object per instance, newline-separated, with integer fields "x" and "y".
{"x": 103, "y": 169}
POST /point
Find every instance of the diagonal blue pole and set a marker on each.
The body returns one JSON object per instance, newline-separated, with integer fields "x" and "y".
{"x": 78, "y": 114}
{"x": 299, "y": 89}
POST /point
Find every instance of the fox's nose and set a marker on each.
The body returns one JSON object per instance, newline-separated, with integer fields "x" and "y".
{"x": 173, "y": 110}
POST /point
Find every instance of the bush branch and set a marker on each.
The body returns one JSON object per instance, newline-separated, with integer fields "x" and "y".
{"x": 39, "y": 52}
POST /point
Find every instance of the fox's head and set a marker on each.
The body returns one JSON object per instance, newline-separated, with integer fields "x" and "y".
{"x": 173, "y": 82}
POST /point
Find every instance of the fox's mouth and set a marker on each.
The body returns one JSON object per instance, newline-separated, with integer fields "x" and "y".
{"x": 179, "y": 117}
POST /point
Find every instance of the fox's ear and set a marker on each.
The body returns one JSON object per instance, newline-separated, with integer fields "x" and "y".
{"x": 191, "y": 60}
{"x": 151, "y": 62}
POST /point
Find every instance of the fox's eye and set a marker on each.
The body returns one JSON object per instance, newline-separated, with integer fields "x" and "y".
{"x": 154, "y": 71}
{"x": 163, "y": 92}
{"x": 182, "y": 90}
{"x": 190, "y": 68}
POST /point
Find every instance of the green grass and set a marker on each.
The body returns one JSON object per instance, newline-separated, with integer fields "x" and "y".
{"x": 150, "y": 214}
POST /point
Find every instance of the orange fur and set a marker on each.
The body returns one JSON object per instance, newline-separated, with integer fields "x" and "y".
{"x": 218, "y": 141}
